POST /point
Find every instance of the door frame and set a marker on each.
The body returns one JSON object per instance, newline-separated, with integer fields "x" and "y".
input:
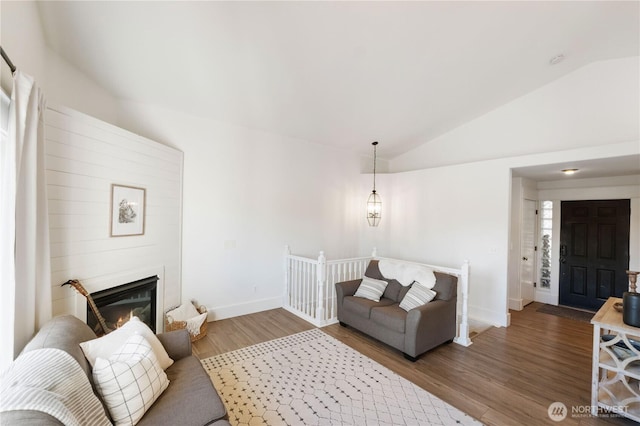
{"x": 552, "y": 294}
{"x": 618, "y": 187}
{"x": 536, "y": 236}
{"x": 623, "y": 187}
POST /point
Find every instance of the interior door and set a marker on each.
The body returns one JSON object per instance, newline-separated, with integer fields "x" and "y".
{"x": 594, "y": 251}
{"x": 527, "y": 251}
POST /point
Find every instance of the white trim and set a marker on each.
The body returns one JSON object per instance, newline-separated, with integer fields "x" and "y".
{"x": 516, "y": 304}
{"x": 497, "y": 319}
{"x": 548, "y": 297}
{"x": 310, "y": 319}
{"x": 230, "y": 311}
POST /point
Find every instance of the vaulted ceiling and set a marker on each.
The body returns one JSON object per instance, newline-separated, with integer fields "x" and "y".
{"x": 337, "y": 73}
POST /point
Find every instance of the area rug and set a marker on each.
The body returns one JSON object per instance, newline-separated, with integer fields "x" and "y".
{"x": 310, "y": 378}
{"x": 564, "y": 312}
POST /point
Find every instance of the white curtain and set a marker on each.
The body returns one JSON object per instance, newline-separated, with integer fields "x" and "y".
{"x": 24, "y": 224}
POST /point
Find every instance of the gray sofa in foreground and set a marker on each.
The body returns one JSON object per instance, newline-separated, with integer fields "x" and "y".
{"x": 413, "y": 332}
{"x": 190, "y": 398}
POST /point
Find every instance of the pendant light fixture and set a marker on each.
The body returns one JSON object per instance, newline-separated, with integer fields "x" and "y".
{"x": 374, "y": 203}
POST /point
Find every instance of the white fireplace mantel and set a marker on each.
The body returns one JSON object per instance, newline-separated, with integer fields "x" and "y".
{"x": 113, "y": 280}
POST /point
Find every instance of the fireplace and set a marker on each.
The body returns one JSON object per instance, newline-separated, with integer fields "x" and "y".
{"x": 118, "y": 304}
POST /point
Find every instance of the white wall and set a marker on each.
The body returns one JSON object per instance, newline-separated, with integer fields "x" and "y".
{"x": 595, "y": 105}
{"x": 247, "y": 193}
{"x": 85, "y": 157}
{"x": 444, "y": 215}
{"x": 22, "y": 38}
{"x": 461, "y": 206}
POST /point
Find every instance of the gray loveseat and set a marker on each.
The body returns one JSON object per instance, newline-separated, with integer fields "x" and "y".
{"x": 190, "y": 398}
{"x": 413, "y": 332}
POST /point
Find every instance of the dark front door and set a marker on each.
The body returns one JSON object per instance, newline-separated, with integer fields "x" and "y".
{"x": 594, "y": 252}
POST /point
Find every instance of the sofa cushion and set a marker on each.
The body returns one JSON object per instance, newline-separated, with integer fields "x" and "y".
{"x": 373, "y": 271}
{"x": 417, "y": 295}
{"x": 130, "y": 381}
{"x": 446, "y": 286}
{"x": 402, "y": 293}
{"x": 390, "y": 317}
{"x": 190, "y": 399}
{"x": 65, "y": 333}
{"x": 362, "y": 307}
{"x": 371, "y": 289}
{"x": 177, "y": 343}
{"x": 394, "y": 291}
{"x": 28, "y": 418}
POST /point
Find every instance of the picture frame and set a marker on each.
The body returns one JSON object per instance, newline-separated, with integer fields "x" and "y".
{"x": 128, "y": 205}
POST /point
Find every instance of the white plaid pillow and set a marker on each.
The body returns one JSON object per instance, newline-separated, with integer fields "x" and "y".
{"x": 417, "y": 295}
{"x": 130, "y": 381}
{"x": 371, "y": 289}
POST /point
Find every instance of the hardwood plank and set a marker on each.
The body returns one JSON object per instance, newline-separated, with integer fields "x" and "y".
{"x": 239, "y": 332}
{"x": 508, "y": 376}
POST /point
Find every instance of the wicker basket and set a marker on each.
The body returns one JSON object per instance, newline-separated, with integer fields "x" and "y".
{"x": 179, "y": 325}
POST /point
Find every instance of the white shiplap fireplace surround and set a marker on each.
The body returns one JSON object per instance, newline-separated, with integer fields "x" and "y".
{"x": 85, "y": 157}
{"x": 107, "y": 282}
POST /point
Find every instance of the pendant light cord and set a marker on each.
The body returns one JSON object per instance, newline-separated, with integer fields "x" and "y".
{"x": 374, "y": 164}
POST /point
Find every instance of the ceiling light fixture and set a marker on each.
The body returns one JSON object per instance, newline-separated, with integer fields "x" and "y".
{"x": 569, "y": 171}
{"x": 374, "y": 203}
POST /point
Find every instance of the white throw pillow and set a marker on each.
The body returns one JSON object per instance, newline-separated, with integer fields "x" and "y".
{"x": 371, "y": 289}
{"x": 130, "y": 381}
{"x": 417, "y": 295}
{"x": 106, "y": 345}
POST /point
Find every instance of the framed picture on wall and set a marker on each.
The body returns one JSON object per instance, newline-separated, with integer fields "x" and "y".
{"x": 127, "y": 210}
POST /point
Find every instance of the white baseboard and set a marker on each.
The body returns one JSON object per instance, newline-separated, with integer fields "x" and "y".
{"x": 251, "y": 307}
{"x": 546, "y": 297}
{"x": 516, "y": 304}
{"x": 497, "y": 319}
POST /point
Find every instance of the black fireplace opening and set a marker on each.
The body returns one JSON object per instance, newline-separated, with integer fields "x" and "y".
{"x": 119, "y": 304}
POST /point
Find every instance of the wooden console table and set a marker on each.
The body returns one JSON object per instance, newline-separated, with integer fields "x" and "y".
{"x": 615, "y": 381}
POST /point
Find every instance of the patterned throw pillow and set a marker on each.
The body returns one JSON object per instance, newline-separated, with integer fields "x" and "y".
{"x": 130, "y": 381}
{"x": 371, "y": 289}
{"x": 417, "y": 295}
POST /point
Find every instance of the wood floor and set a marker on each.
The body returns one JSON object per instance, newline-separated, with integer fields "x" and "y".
{"x": 508, "y": 376}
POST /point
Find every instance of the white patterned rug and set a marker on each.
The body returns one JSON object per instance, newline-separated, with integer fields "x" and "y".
{"x": 310, "y": 378}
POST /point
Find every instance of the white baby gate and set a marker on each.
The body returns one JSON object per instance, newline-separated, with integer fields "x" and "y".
{"x": 310, "y": 287}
